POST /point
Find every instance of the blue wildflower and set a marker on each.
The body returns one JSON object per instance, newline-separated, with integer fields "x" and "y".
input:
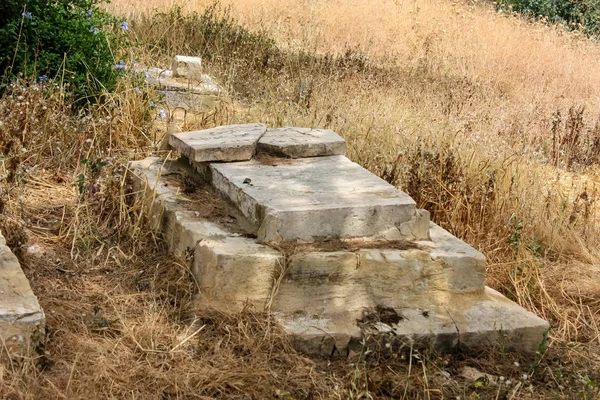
{"x": 27, "y": 14}
{"x": 152, "y": 104}
{"x": 125, "y": 25}
{"x": 162, "y": 114}
{"x": 147, "y": 75}
{"x": 43, "y": 78}
{"x": 121, "y": 65}
{"x": 89, "y": 13}
{"x": 94, "y": 30}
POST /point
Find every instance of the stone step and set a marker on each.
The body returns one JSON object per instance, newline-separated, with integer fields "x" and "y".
{"x": 336, "y": 282}
{"x": 230, "y": 268}
{"x": 316, "y": 199}
{"x": 469, "y": 322}
{"x": 22, "y": 320}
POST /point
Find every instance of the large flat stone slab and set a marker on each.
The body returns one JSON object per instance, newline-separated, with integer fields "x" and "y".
{"x": 301, "y": 142}
{"x": 320, "y": 198}
{"x": 224, "y": 143}
{"x": 22, "y": 320}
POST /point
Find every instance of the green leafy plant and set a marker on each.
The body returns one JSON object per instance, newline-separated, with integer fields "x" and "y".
{"x": 72, "y": 41}
{"x": 86, "y": 180}
{"x": 579, "y": 14}
{"x": 516, "y": 227}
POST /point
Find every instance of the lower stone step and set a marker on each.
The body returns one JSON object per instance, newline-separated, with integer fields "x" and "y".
{"x": 469, "y": 322}
{"x": 22, "y": 320}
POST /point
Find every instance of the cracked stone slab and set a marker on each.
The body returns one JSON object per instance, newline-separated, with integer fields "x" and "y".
{"x": 301, "y": 142}
{"x": 319, "y": 198}
{"x": 224, "y": 143}
{"x": 22, "y": 320}
{"x": 471, "y": 322}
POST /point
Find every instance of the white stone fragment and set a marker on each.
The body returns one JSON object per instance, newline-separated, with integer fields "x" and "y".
{"x": 224, "y": 143}
{"x": 187, "y": 67}
{"x": 301, "y": 142}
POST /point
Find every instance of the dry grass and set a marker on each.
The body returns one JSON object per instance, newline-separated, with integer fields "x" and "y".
{"x": 487, "y": 121}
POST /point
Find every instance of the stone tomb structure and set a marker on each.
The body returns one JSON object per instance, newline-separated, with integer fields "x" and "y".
{"x": 185, "y": 87}
{"x": 281, "y": 219}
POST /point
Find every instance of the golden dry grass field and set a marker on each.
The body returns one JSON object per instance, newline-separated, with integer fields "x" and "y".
{"x": 489, "y": 121}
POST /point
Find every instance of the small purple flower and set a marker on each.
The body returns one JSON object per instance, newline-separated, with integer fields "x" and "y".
{"x": 162, "y": 114}
{"x": 121, "y": 65}
{"x": 27, "y": 14}
{"x": 89, "y": 13}
{"x": 152, "y": 104}
{"x": 125, "y": 26}
{"x": 43, "y": 78}
{"x": 94, "y": 30}
{"x": 147, "y": 75}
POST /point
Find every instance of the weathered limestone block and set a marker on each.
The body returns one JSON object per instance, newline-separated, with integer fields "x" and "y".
{"x": 320, "y": 198}
{"x": 224, "y": 143}
{"x": 465, "y": 266}
{"x": 471, "y": 322}
{"x": 301, "y": 142}
{"x": 187, "y": 67}
{"x": 22, "y": 320}
{"x": 434, "y": 288}
{"x": 233, "y": 270}
{"x": 180, "y": 227}
{"x": 348, "y": 281}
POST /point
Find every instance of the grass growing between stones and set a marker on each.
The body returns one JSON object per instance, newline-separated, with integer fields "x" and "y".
{"x": 488, "y": 122}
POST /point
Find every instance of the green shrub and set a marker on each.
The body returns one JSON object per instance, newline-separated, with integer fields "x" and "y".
{"x": 71, "y": 40}
{"x": 573, "y": 13}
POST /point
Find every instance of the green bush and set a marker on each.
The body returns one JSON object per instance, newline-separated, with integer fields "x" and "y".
{"x": 70, "y": 40}
{"x": 573, "y": 13}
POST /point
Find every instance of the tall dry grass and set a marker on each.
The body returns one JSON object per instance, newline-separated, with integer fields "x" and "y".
{"x": 486, "y": 120}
